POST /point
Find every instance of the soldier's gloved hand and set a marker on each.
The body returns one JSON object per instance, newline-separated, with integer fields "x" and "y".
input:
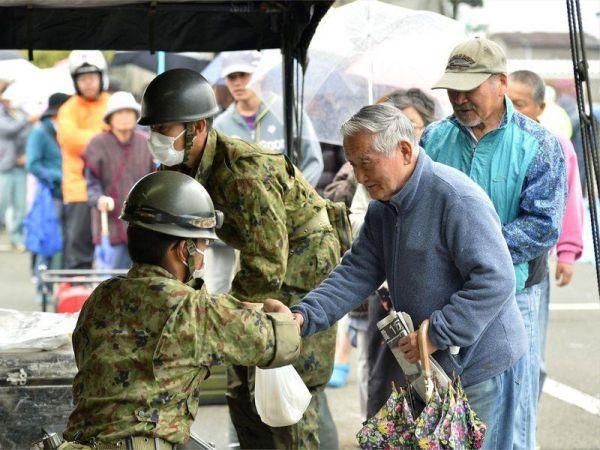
{"x": 275, "y": 306}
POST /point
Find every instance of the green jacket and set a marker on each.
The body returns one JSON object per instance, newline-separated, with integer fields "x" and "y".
{"x": 279, "y": 223}
{"x": 144, "y": 344}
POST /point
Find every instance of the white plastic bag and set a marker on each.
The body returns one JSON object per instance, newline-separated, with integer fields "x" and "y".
{"x": 280, "y": 396}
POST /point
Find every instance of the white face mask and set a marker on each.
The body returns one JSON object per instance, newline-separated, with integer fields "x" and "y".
{"x": 162, "y": 149}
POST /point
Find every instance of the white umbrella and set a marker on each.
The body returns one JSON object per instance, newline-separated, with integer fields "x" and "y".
{"x": 374, "y": 47}
{"x": 362, "y": 51}
{"x": 33, "y": 86}
{"x": 14, "y": 69}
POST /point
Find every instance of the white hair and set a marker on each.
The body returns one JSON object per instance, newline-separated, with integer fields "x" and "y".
{"x": 387, "y": 124}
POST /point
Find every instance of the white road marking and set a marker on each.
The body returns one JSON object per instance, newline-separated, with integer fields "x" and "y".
{"x": 588, "y": 306}
{"x": 572, "y": 396}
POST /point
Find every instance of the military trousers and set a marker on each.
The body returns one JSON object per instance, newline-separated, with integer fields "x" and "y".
{"x": 78, "y": 250}
{"x": 311, "y": 259}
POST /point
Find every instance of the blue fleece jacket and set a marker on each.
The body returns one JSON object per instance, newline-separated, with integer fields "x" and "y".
{"x": 439, "y": 244}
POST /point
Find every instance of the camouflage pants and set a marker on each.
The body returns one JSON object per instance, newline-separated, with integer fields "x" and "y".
{"x": 311, "y": 259}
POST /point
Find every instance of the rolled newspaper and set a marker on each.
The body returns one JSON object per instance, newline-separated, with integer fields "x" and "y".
{"x": 395, "y": 326}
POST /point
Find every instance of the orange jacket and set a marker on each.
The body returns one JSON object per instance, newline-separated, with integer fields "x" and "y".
{"x": 78, "y": 121}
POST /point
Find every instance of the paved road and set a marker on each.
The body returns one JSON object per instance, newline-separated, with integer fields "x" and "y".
{"x": 569, "y": 416}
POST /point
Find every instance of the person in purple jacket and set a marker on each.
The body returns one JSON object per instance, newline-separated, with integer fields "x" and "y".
{"x": 114, "y": 161}
{"x": 435, "y": 236}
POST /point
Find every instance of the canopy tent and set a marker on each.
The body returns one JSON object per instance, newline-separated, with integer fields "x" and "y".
{"x": 171, "y": 26}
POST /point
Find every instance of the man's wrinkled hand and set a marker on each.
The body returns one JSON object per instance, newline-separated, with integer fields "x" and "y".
{"x": 564, "y": 273}
{"x": 409, "y": 345}
{"x": 275, "y": 306}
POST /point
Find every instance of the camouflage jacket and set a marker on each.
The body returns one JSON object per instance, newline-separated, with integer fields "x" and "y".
{"x": 274, "y": 217}
{"x": 268, "y": 205}
{"x": 145, "y": 342}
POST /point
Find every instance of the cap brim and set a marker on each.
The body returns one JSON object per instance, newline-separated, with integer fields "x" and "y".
{"x": 243, "y": 68}
{"x": 461, "y": 81}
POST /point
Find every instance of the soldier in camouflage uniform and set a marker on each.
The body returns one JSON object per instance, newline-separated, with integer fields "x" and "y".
{"x": 273, "y": 217}
{"x": 145, "y": 342}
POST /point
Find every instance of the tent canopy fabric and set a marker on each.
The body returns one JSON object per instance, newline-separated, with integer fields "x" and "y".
{"x": 173, "y": 26}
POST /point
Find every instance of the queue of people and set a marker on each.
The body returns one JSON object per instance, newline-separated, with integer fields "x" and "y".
{"x": 454, "y": 222}
{"x": 14, "y": 128}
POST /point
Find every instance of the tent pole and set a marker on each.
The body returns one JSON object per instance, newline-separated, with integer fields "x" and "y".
{"x": 160, "y": 64}
{"x": 288, "y": 88}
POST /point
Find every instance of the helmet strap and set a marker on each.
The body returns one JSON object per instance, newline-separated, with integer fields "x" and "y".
{"x": 189, "y": 138}
{"x": 190, "y": 262}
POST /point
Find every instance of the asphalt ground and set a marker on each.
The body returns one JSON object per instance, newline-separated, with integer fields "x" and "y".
{"x": 569, "y": 415}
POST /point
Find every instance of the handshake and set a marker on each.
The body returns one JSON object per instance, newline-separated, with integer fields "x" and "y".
{"x": 275, "y": 306}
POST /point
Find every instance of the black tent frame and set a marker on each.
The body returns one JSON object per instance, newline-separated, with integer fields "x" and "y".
{"x": 588, "y": 124}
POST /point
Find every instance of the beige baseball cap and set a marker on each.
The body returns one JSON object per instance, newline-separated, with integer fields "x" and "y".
{"x": 471, "y": 63}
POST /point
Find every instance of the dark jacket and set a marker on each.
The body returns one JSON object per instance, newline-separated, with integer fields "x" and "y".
{"x": 111, "y": 169}
{"x": 44, "y": 160}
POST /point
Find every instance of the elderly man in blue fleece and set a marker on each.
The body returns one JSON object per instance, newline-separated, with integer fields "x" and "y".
{"x": 434, "y": 235}
{"x": 521, "y": 166}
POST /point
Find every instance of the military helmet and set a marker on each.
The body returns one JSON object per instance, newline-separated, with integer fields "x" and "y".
{"x": 178, "y": 95}
{"x": 172, "y": 203}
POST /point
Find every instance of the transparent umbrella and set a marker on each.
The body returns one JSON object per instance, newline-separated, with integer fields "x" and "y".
{"x": 375, "y": 47}
{"x": 362, "y": 51}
